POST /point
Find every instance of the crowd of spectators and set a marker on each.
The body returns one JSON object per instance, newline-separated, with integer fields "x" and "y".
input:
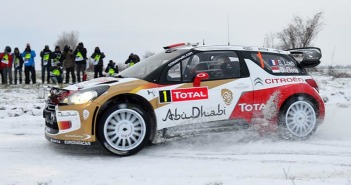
{"x": 57, "y": 67}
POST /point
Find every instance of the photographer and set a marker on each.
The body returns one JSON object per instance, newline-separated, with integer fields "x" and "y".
{"x": 80, "y": 54}
{"x": 98, "y": 56}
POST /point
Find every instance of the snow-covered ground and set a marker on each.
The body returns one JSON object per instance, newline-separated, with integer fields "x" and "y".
{"x": 238, "y": 157}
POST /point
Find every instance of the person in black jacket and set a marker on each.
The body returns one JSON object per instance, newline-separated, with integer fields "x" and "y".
{"x": 56, "y": 56}
{"x": 17, "y": 65}
{"x": 132, "y": 59}
{"x": 80, "y": 54}
{"x": 45, "y": 63}
{"x": 98, "y": 56}
{"x": 111, "y": 69}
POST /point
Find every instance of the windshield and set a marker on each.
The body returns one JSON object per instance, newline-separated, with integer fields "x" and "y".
{"x": 148, "y": 65}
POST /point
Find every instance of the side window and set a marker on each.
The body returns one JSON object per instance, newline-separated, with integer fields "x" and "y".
{"x": 277, "y": 63}
{"x": 188, "y": 70}
{"x": 218, "y": 65}
{"x": 174, "y": 73}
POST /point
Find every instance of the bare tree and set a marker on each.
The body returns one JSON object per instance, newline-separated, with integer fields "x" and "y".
{"x": 68, "y": 38}
{"x": 148, "y": 54}
{"x": 301, "y": 33}
{"x": 269, "y": 40}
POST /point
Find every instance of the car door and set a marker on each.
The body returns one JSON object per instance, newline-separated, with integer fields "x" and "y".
{"x": 185, "y": 101}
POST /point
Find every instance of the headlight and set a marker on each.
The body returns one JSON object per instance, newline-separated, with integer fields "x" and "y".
{"x": 84, "y": 96}
{"x": 81, "y": 97}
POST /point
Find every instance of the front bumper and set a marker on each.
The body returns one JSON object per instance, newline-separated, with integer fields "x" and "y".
{"x": 71, "y": 124}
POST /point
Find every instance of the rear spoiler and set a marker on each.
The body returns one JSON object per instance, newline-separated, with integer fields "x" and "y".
{"x": 181, "y": 44}
{"x": 308, "y": 57}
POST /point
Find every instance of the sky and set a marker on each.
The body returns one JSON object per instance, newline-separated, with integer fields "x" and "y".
{"x": 123, "y": 27}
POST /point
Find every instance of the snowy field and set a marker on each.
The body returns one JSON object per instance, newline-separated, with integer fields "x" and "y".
{"x": 238, "y": 157}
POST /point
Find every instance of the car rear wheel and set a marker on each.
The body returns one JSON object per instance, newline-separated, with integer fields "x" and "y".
{"x": 124, "y": 129}
{"x": 298, "y": 119}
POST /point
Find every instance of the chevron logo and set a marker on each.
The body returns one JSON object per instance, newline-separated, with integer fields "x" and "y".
{"x": 258, "y": 81}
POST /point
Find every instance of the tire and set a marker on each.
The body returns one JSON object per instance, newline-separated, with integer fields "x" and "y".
{"x": 124, "y": 129}
{"x": 298, "y": 119}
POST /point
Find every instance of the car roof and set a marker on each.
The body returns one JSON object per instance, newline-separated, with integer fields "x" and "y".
{"x": 195, "y": 46}
{"x": 237, "y": 47}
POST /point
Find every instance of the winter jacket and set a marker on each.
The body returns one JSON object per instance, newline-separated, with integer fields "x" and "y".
{"x": 56, "y": 71}
{"x": 98, "y": 58}
{"x": 80, "y": 55}
{"x": 132, "y": 59}
{"x": 5, "y": 60}
{"x": 56, "y": 57}
{"x": 46, "y": 55}
{"x": 28, "y": 57}
{"x": 68, "y": 61}
{"x": 111, "y": 69}
{"x": 17, "y": 61}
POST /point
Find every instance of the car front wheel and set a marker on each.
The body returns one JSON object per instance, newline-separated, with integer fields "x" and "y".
{"x": 298, "y": 119}
{"x": 124, "y": 129}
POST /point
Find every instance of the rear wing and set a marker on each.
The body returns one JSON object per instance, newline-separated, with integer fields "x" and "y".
{"x": 307, "y": 57}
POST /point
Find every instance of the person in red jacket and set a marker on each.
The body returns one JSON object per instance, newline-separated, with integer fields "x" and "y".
{"x": 6, "y": 65}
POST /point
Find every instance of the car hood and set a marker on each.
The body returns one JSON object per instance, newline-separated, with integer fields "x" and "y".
{"x": 94, "y": 82}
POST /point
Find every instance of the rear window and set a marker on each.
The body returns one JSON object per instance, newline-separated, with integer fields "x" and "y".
{"x": 277, "y": 64}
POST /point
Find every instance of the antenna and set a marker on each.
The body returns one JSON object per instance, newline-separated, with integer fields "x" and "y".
{"x": 228, "y": 30}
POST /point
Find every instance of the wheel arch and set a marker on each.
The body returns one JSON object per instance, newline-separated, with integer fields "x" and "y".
{"x": 297, "y": 96}
{"x": 134, "y": 99}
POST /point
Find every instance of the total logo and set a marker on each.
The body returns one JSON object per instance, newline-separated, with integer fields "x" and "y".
{"x": 250, "y": 107}
{"x": 186, "y": 94}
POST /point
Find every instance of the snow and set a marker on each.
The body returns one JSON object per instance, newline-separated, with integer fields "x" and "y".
{"x": 236, "y": 157}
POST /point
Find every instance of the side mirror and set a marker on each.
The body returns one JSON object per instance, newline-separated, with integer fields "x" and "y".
{"x": 199, "y": 77}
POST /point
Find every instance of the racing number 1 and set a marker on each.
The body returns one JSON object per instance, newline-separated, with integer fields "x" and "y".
{"x": 165, "y": 96}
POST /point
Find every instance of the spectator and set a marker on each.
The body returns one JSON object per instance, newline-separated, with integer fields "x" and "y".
{"x": 17, "y": 65}
{"x": 81, "y": 60}
{"x": 136, "y": 58}
{"x": 45, "y": 55}
{"x": 111, "y": 69}
{"x": 68, "y": 63}
{"x": 132, "y": 59}
{"x": 56, "y": 73}
{"x": 98, "y": 56}
{"x": 6, "y": 65}
{"x": 56, "y": 56}
{"x": 29, "y": 64}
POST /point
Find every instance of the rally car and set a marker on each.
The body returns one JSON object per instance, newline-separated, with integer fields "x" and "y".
{"x": 187, "y": 85}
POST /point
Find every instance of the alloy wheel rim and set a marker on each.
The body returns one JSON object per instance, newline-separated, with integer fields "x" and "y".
{"x": 124, "y": 129}
{"x": 300, "y": 118}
